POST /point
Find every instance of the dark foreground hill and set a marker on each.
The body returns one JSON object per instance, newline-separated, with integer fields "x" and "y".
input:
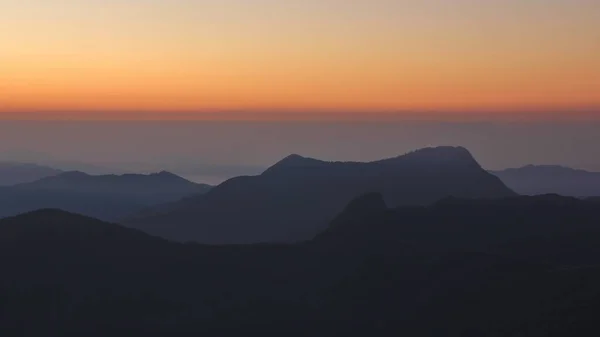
{"x": 543, "y": 229}
{"x": 525, "y": 266}
{"x": 107, "y": 197}
{"x": 297, "y": 197}
{"x": 544, "y": 179}
{"x": 17, "y": 173}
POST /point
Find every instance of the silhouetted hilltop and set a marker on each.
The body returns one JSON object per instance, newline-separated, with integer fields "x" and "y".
{"x": 294, "y": 161}
{"x": 108, "y": 197}
{"x": 297, "y": 197}
{"x": 18, "y": 173}
{"x": 449, "y": 156}
{"x": 57, "y": 227}
{"x": 544, "y": 179}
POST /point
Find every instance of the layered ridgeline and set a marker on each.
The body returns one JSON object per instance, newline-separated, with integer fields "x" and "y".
{"x": 543, "y": 179}
{"x": 549, "y": 229}
{"x": 519, "y": 266}
{"x": 107, "y": 197}
{"x": 297, "y": 197}
{"x": 12, "y": 173}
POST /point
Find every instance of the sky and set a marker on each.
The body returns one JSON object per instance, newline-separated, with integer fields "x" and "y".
{"x": 311, "y": 59}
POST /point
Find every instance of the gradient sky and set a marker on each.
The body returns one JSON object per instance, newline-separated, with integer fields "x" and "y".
{"x": 230, "y": 59}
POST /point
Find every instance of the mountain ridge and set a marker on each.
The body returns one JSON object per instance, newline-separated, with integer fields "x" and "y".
{"x": 13, "y": 173}
{"x": 79, "y": 177}
{"x": 107, "y": 197}
{"x": 298, "y": 196}
{"x": 545, "y": 179}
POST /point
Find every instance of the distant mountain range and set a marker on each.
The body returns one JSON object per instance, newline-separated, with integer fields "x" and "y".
{"x": 107, "y": 197}
{"x": 297, "y": 197}
{"x": 12, "y": 173}
{"x": 543, "y": 179}
{"x": 515, "y": 266}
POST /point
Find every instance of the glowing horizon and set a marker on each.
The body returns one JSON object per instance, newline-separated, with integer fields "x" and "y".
{"x": 236, "y": 59}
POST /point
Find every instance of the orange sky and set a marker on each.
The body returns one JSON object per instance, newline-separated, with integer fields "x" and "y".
{"x": 110, "y": 59}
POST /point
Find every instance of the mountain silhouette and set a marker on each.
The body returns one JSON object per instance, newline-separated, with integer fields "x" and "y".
{"x": 54, "y": 227}
{"x": 163, "y": 183}
{"x": 12, "y": 173}
{"x": 516, "y": 266}
{"x": 543, "y": 229}
{"x": 107, "y": 197}
{"x": 544, "y": 179}
{"x": 297, "y": 197}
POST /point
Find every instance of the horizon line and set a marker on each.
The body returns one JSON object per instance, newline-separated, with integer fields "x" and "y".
{"x": 315, "y": 115}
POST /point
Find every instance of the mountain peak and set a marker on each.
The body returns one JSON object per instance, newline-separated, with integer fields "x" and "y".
{"x": 166, "y": 175}
{"x": 447, "y": 155}
{"x": 294, "y": 156}
{"x": 442, "y": 152}
{"x": 294, "y": 161}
